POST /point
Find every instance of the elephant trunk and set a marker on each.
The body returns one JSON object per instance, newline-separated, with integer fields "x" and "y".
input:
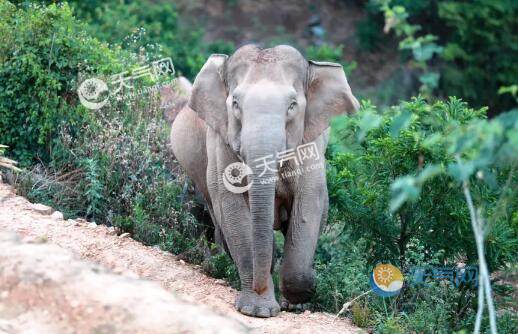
{"x": 261, "y": 157}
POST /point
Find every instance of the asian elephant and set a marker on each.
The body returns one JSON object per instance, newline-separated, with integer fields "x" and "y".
{"x": 258, "y": 107}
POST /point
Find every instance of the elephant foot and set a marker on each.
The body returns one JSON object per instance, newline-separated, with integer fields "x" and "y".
{"x": 252, "y": 304}
{"x": 287, "y": 306}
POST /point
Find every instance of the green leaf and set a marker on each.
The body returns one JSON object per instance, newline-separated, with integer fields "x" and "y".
{"x": 428, "y": 172}
{"x": 430, "y": 79}
{"x": 405, "y": 189}
{"x": 426, "y": 52}
{"x": 401, "y": 122}
{"x": 461, "y": 171}
{"x": 368, "y": 122}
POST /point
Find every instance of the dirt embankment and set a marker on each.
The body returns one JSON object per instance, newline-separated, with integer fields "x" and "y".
{"x": 47, "y": 287}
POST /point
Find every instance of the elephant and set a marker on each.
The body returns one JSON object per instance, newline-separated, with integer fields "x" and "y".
{"x": 257, "y": 103}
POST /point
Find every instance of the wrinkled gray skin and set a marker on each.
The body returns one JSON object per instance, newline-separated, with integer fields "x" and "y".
{"x": 254, "y": 104}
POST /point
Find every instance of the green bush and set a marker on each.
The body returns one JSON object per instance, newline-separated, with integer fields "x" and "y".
{"x": 42, "y": 50}
{"x": 341, "y": 268}
{"x": 370, "y": 156}
{"x": 479, "y": 41}
{"x": 396, "y": 143}
{"x": 481, "y": 47}
{"x": 109, "y": 165}
{"x": 151, "y": 30}
{"x": 327, "y": 52}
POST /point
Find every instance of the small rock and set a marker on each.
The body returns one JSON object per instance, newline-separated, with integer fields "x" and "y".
{"x": 43, "y": 209}
{"x": 182, "y": 262}
{"x": 111, "y": 230}
{"x": 307, "y": 312}
{"x": 92, "y": 225}
{"x": 4, "y": 294}
{"x": 57, "y": 215}
{"x": 118, "y": 270}
{"x": 124, "y": 235}
{"x": 35, "y": 239}
{"x": 221, "y": 282}
{"x": 80, "y": 221}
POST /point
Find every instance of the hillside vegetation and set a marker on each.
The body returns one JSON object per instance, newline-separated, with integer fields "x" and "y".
{"x": 408, "y": 184}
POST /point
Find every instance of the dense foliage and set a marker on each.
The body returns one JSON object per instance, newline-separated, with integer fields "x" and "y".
{"x": 109, "y": 165}
{"x": 479, "y": 40}
{"x": 395, "y": 198}
{"x": 154, "y": 30}
{"x": 42, "y": 50}
{"x": 404, "y": 140}
{"x": 395, "y": 176}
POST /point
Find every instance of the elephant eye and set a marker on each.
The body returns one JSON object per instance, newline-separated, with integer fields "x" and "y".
{"x": 292, "y": 106}
{"x": 236, "y": 109}
{"x": 235, "y": 104}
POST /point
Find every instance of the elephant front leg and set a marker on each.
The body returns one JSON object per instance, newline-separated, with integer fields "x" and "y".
{"x": 233, "y": 218}
{"x": 237, "y": 231}
{"x": 308, "y": 213}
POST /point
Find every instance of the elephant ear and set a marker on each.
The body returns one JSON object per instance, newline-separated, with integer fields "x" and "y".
{"x": 328, "y": 94}
{"x": 209, "y": 94}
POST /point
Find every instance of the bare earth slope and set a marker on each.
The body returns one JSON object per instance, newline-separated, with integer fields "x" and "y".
{"x": 46, "y": 290}
{"x": 133, "y": 261}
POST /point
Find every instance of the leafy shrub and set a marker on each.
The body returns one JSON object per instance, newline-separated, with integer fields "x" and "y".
{"x": 110, "y": 165}
{"x": 154, "y": 29}
{"x": 421, "y": 222}
{"x": 479, "y": 45}
{"x": 481, "y": 50}
{"x": 341, "y": 268}
{"x": 42, "y": 50}
{"x": 398, "y": 142}
{"x": 221, "y": 265}
{"x": 6, "y": 163}
{"x": 327, "y": 52}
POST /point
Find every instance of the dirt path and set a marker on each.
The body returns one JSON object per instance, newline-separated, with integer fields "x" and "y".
{"x": 123, "y": 255}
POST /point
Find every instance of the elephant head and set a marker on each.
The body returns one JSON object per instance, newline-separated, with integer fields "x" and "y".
{"x": 265, "y": 101}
